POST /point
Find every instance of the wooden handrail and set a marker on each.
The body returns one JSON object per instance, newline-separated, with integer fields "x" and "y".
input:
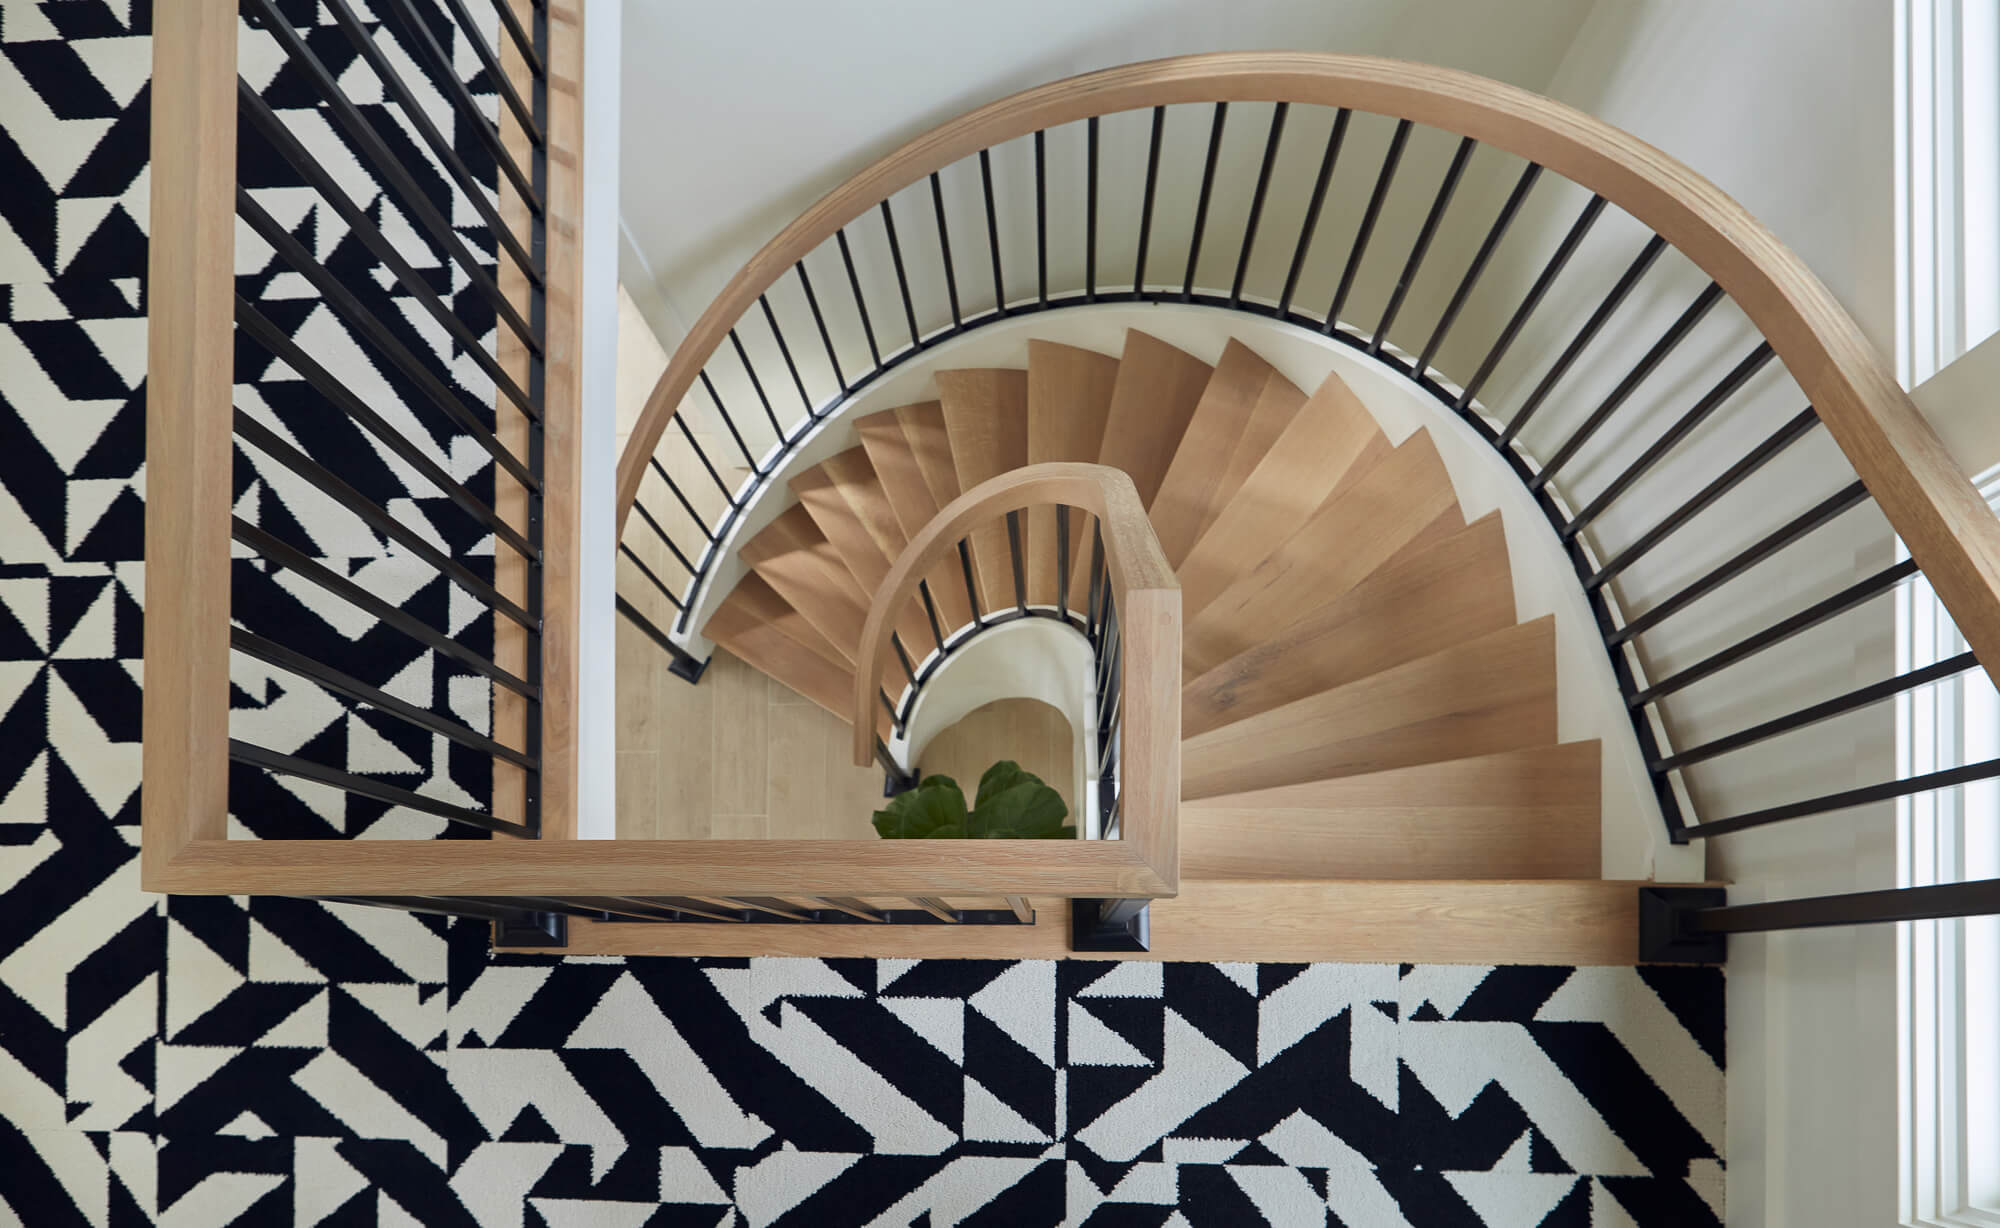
{"x": 1950, "y": 531}
{"x": 1149, "y": 613}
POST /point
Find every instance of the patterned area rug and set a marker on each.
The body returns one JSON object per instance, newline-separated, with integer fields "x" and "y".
{"x": 212, "y": 1061}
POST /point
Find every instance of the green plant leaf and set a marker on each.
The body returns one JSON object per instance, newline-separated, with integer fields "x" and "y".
{"x": 934, "y": 810}
{"x": 1016, "y": 805}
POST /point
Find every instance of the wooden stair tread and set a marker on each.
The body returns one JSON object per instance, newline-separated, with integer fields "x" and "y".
{"x": 1566, "y": 921}
{"x": 756, "y": 624}
{"x": 1359, "y": 527}
{"x": 1425, "y": 599}
{"x": 986, "y": 422}
{"x": 1069, "y": 397}
{"x": 1529, "y": 813}
{"x": 845, "y": 499}
{"x": 1158, "y": 388}
{"x": 804, "y": 568}
{"x": 910, "y": 499}
{"x": 1482, "y": 696}
{"x": 1328, "y": 439}
{"x": 1199, "y": 481}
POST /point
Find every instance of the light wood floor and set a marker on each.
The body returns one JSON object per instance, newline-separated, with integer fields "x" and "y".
{"x": 742, "y": 758}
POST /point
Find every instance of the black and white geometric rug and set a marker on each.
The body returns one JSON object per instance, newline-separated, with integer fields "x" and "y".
{"x": 211, "y": 1061}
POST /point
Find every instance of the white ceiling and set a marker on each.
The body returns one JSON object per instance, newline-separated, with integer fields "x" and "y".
{"x": 736, "y": 116}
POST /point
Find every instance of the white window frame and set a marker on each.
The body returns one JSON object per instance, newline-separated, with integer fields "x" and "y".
{"x": 1948, "y": 971}
{"x": 1947, "y": 96}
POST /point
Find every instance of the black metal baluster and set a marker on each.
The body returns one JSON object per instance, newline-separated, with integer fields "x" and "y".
{"x": 1014, "y": 553}
{"x": 756, "y": 385}
{"x": 1146, "y": 203}
{"x": 1850, "y": 797}
{"x": 992, "y": 230}
{"x": 819, "y": 322}
{"x": 1418, "y": 249}
{"x": 1062, "y": 560}
{"x": 1098, "y": 588}
{"x": 666, "y": 590}
{"x": 1310, "y": 225}
{"x": 1369, "y": 216}
{"x": 368, "y": 786}
{"x": 1647, "y": 254}
{"x": 445, "y": 77}
{"x": 971, "y": 589}
{"x": 931, "y": 614}
{"x": 1201, "y": 201}
{"x": 1090, "y": 211}
{"x": 701, "y": 454}
{"x": 785, "y": 352}
{"x": 1257, "y": 202}
{"x": 1564, "y": 250}
{"x": 1487, "y": 247}
{"x": 903, "y": 657}
{"x": 1709, "y": 403}
{"x": 1791, "y": 432}
{"x": 902, "y": 279}
{"x": 654, "y": 463}
{"x": 647, "y": 516}
{"x": 1041, "y": 219}
{"x": 1664, "y": 346}
{"x": 860, "y": 303}
{"x": 729, "y": 421}
{"x": 491, "y": 62}
{"x": 944, "y": 249}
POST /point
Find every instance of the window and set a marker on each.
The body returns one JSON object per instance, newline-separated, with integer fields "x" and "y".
{"x": 1947, "y": 181}
{"x": 1949, "y": 971}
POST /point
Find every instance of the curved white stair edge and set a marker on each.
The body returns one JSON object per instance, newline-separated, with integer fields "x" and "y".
{"x": 1635, "y": 845}
{"x": 1032, "y": 658}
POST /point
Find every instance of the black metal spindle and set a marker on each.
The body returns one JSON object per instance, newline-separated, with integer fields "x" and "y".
{"x": 902, "y": 278}
{"x": 1425, "y": 234}
{"x": 1041, "y": 219}
{"x": 1369, "y": 217}
{"x": 971, "y": 589}
{"x": 1014, "y": 554}
{"x": 728, "y": 421}
{"x": 1473, "y": 271}
{"x": 785, "y": 353}
{"x": 666, "y": 590}
{"x": 1098, "y": 587}
{"x": 1666, "y": 345}
{"x": 1978, "y": 898}
{"x": 1572, "y": 239}
{"x": 1146, "y": 202}
{"x": 503, "y": 82}
{"x": 1201, "y": 201}
{"x": 701, "y": 453}
{"x": 1860, "y": 697}
{"x": 646, "y": 515}
{"x": 1309, "y": 226}
{"x": 992, "y": 230}
{"x": 819, "y": 322}
{"x": 756, "y": 385}
{"x": 653, "y": 462}
{"x": 1791, "y": 432}
{"x": 1812, "y": 518}
{"x": 1725, "y": 388}
{"x": 1062, "y": 560}
{"x": 1271, "y": 141}
{"x": 860, "y": 303}
{"x": 903, "y": 657}
{"x": 1090, "y": 211}
{"x": 931, "y": 614}
{"x": 1847, "y": 798}
{"x": 684, "y": 665}
{"x": 443, "y": 74}
{"x": 944, "y": 249}
{"x": 369, "y": 787}
{"x": 522, "y": 39}
{"x": 1622, "y": 287}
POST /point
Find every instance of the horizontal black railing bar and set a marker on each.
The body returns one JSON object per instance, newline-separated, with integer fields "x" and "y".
{"x": 440, "y": 146}
{"x": 1850, "y": 496}
{"x": 471, "y": 907}
{"x": 442, "y": 73}
{"x": 832, "y": 916}
{"x": 284, "y": 555}
{"x": 1794, "y": 429}
{"x": 292, "y": 661}
{"x": 483, "y": 51}
{"x": 369, "y": 787}
{"x": 1425, "y": 234}
{"x": 350, "y": 309}
{"x": 1813, "y": 615}
{"x": 1530, "y": 175}
{"x": 1620, "y": 289}
{"x": 1558, "y": 261}
{"x": 1684, "y": 426}
{"x": 523, "y": 41}
{"x": 280, "y": 344}
{"x": 1860, "y": 697}
{"x": 1935, "y": 901}
{"x": 1669, "y": 342}
{"x": 376, "y": 516}
{"x": 379, "y": 159}
{"x": 665, "y": 589}
{"x": 1848, "y": 798}
{"x": 273, "y": 130}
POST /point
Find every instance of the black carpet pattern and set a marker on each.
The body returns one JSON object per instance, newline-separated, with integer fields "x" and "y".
{"x": 213, "y": 1061}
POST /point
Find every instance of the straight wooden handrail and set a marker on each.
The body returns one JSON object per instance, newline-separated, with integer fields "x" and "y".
{"x": 1148, "y": 599}
{"x": 1950, "y": 531}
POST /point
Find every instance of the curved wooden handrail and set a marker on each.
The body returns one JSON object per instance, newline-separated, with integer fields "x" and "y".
{"x": 1149, "y": 614}
{"x": 1950, "y": 531}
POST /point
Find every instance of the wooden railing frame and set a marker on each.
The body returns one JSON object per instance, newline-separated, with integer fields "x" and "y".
{"x": 1148, "y": 601}
{"x": 1928, "y": 499}
{"x": 189, "y": 459}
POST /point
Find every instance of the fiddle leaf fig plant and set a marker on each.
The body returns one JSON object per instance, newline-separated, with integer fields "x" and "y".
{"x": 1013, "y": 804}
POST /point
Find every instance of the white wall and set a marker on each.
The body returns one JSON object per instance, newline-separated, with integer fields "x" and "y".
{"x": 1787, "y": 105}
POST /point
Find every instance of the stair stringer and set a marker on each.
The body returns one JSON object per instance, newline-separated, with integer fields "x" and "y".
{"x": 1634, "y": 845}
